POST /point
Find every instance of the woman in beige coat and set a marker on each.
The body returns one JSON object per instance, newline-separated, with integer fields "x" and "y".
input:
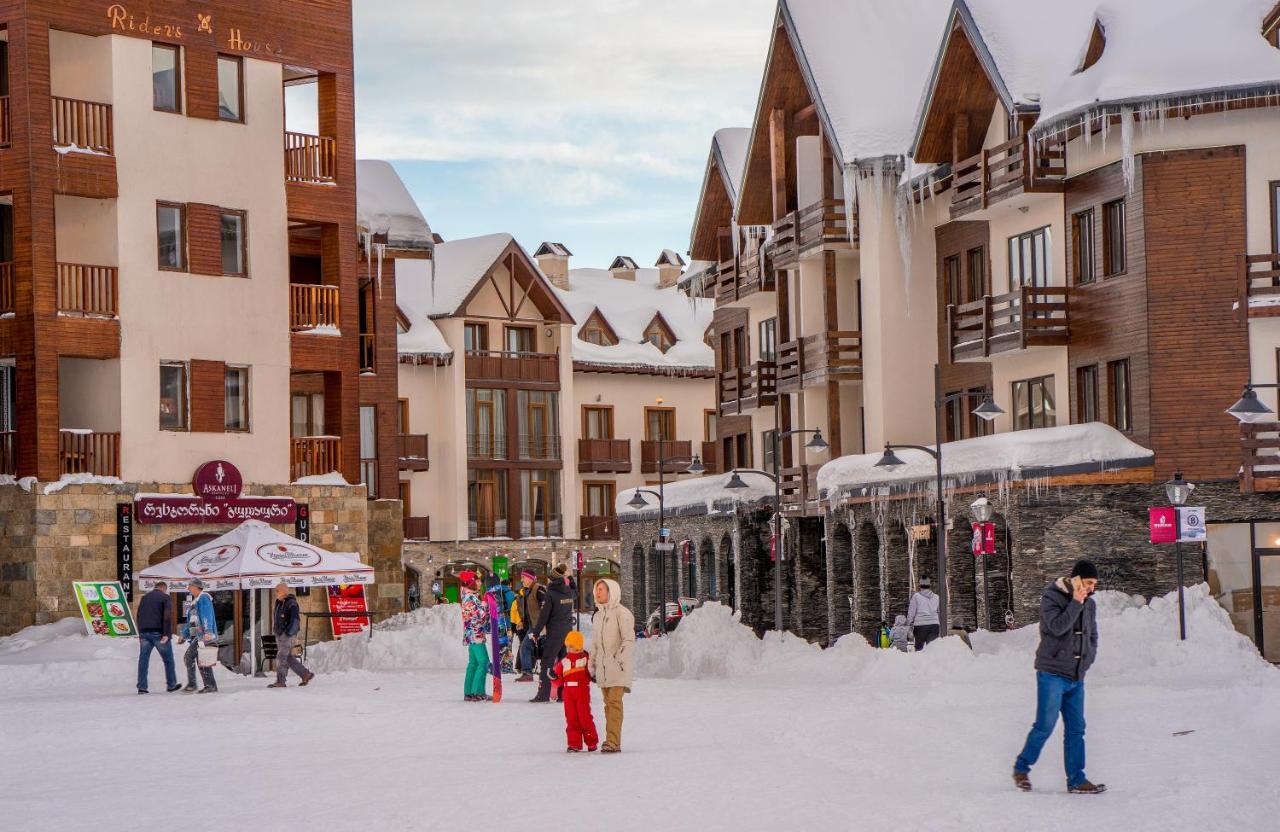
{"x": 613, "y": 635}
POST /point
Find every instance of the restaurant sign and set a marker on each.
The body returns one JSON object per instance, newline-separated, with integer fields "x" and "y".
{"x": 217, "y": 485}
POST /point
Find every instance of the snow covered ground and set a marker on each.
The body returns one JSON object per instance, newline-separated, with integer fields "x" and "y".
{"x": 723, "y": 731}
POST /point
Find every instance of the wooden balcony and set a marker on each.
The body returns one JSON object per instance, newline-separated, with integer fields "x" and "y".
{"x": 486, "y": 446}
{"x": 677, "y": 452}
{"x": 817, "y": 227}
{"x": 744, "y": 388}
{"x": 529, "y": 368}
{"x": 417, "y": 528}
{"x": 1027, "y": 317}
{"x": 314, "y": 455}
{"x": 604, "y": 456}
{"x": 88, "y": 291}
{"x": 89, "y": 452}
{"x": 83, "y": 125}
{"x": 799, "y": 489}
{"x": 311, "y": 159}
{"x": 598, "y": 528}
{"x": 413, "y": 452}
{"x": 8, "y": 292}
{"x": 312, "y": 305}
{"x": 1260, "y": 457}
{"x": 817, "y": 359}
{"x": 1259, "y": 286}
{"x": 5, "y": 130}
{"x": 1003, "y": 171}
{"x": 744, "y": 273}
{"x": 544, "y": 447}
{"x": 711, "y": 457}
{"x": 8, "y": 452}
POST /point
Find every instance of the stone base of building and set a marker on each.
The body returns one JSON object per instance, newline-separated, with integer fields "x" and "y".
{"x": 432, "y": 561}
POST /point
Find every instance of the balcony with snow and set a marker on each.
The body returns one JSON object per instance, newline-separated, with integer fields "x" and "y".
{"x": 80, "y": 77}
{"x": 314, "y": 302}
{"x": 310, "y": 146}
{"x": 89, "y": 416}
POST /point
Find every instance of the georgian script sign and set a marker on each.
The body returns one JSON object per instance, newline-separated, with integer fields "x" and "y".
{"x": 195, "y": 510}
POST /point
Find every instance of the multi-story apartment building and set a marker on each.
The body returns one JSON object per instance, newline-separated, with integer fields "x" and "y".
{"x": 180, "y": 283}
{"x": 965, "y": 203}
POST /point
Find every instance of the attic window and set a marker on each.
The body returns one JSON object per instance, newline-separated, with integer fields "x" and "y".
{"x": 1271, "y": 27}
{"x": 659, "y": 334}
{"x": 1097, "y": 43}
{"x": 597, "y": 331}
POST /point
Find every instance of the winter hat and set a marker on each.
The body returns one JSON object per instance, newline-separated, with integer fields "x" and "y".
{"x": 1084, "y": 569}
{"x": 467, "y": 577}
{"x": 196, "y": 582}
{"x": 573, "y": 641}
{"x": 925, "y": 583}
{"x": 562, "y": 569}
{"x": 527, "y": 574}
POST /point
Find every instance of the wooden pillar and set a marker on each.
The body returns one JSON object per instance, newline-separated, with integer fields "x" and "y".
{"x": 778, "y": 159}
{"x": 831, "y": 323}
{"x": 959, "y": 138}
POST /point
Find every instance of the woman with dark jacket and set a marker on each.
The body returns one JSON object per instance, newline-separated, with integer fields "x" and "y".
{"x": 556, "y": 619}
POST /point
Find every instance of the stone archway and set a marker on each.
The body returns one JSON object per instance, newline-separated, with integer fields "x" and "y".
{"x": 707, "y": 569}
{"x": 898, "y": 580}
{"x": 180, "y": 546}
{"x": 868, "y": 588}
{"x": 840, "y": 604}
{"x": 730, "y": 571}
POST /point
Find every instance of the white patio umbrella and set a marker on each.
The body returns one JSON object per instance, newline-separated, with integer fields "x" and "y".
{"x": 255, "y": 556}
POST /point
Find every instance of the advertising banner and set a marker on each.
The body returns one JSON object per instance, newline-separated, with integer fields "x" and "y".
{"x": 1164, "y": 524}
{"x": 152, "y": 510}
{"x": 124, "y": 548}
{"x": 1191, "y": 528}
{"x": 104, "y": 608}
{"x": 348, "y": 598}
{"x": 984, "y": 539}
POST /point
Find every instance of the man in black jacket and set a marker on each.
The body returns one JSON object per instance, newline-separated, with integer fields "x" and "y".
{"x": 556, "y": 617}
{"x": 284, "y": 624}
{"x": 1068, "y": 646}
{"x": 155, "y": 632}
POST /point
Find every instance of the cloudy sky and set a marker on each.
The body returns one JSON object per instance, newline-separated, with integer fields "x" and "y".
{"x": 582, "y": 121}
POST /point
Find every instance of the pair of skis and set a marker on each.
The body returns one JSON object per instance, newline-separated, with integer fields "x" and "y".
{"x": 497, "y": 637}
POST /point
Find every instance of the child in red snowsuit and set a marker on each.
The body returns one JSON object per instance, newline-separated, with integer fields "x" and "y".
{"x": 575, "y": 691}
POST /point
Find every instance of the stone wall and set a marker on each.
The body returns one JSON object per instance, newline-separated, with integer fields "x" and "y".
{"x": 430, "y": 557}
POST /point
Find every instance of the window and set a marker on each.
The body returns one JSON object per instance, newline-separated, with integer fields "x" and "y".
{"x": 475, "y": 337}
{"x": 487, "y": 503}
{"x": 659, "y": 334}
{"x": 1033, "y": 405}
{"x": 597, "y": 422}
{"x": 593, "y": 333}
{"x": 402, "y": 416}
{"x": 1087, "y": 394}
{"x": 539, "y": 418}
{"x": 708, "y": 426}
{"x": 166, "y": 78}
{"x": 234, "y": 244}
{"x": 1275, "y": 213}
{"x": 953, "y": 419}
{"x": 598, "y": 499}
{"x": 951, "y": 281}
{"x": 235, "y": 398}
{"x": 1121, "y": 408}
{"x": 977, "y": 425}
{"x": 767, "y": 447}
{"x": 769, "y": 340}
{"x": 230, "y": 88}
{"x": 742, "y": 450}
{"x": 1082, "y": 250}
{"x": 171, "y": 236}
{"x": 7, "y": 398}
{"x": 540, "y": 503}
{"x": 958, "y": 419}
{"x": 659, "y": 423}
{"x": 976, "y": 261}
{"x": 1113, "y": 238}
{"x": 1031, "y": 259}
{"x": 486, "y": 423}
{"x": 520, "y": 339}
{"x": 307, "y": 414}
{"x": 173, "y": 396}
{"x": 369, "y": 449}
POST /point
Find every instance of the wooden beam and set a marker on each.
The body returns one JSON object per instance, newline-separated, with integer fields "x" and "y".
{"x": 778, "y": 161}
{"x": 960, "y": 138}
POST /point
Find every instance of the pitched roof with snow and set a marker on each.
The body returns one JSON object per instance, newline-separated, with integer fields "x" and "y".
{"x": 414, "y": 296}
{"x": 729, "y": 148}
{"x": 670, "y": 258}
{"x": 384, "y": 206}
{"x": 459, "y": 266}
{"x": 554, "y": 249}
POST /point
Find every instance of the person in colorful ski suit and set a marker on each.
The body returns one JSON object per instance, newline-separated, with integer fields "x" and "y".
{"x": 475, "y": 634}
{"x": 613, "y": 636}
{"x": 575, "y": 680}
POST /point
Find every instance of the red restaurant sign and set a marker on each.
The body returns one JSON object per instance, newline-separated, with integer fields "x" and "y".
{"x": 217, "y": 480}
{"x": 984, "y": 539}
{"x": 1164, "y": 525}
{"x": 348, "y": 598}
{"x": 217, "y": 485}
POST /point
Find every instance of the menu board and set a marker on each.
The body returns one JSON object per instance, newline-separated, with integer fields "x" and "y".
{"x": 105, "y": 608}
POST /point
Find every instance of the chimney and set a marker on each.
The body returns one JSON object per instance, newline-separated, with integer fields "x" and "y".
{"x": 623, "y": 268}
{"x": 553, "y": 260}
{"x": 670, "y": 266}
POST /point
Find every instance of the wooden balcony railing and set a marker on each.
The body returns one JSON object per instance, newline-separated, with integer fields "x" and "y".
{"x": 89, "y": 452}
{"x": 744, "y": 388}
{"x": 820, "y": 225}
{"x": 604, "y": 456}
{"x": 1259, "y": 286}
{"x": 1003, "y": 171}
{"x": 82, "y": 124}
{"x": 312, "y": 305}
{"x": 88, "y": 290}
{"x": 368, "y": 352}
{"x": 1028, "y": 317}
{"x": 677, "y": 452}
{"x": 413, "y": 452}
{"x": 417, "y": 528}
{"x": 8, "y": 292}
{"x": 598, "y": 528}
{"x": 815, "y": 359}
{"x": 5, "y": 133}
{"x": 8, "y": 452}
{"x": 540, "y": 446}
{"x": 314, "y": 455}
{"x": 506, "y": 367}
{"x": 486, "y": 446}
{"x": 744, "y": 273}
{"x": 309, "y": 158}
{"x": 1260, "y": 457}
{"x": 711, "y": 457}
{"x": 799, "y": 488}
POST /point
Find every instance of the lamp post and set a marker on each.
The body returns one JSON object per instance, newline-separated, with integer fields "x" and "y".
{"x": 982, "y": 511}
{"x": 987, "y": 411}
{"x": 638, "y": 502}
{"x": 1178, "y": 490}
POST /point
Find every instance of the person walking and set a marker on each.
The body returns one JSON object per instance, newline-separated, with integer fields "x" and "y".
{"x": 555, "y": 619}
{"x": 155, "y": 632}
{"x": 475, "y": 632}
{"x": 285, "y": 622}
{"x": 613, "y": 635}
{"x": 575, "y": 680}
{"x": 1068, "y": 646}
{"x": 200, "y": 628}
{"x": 529, "y": 600}
{"x": 922, "y": 614}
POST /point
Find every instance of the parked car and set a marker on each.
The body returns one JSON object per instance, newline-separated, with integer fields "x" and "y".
{"x": 675, "y": 612}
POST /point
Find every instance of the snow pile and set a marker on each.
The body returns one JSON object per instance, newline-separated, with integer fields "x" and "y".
{"x": 711, "y": 642}
{"x": 708, "y": 493}
{"x": 429, "y": 638}
{"x": 79, "y": 479}
{"x": 331, "y": 478}
{"x": 384, "y": 206}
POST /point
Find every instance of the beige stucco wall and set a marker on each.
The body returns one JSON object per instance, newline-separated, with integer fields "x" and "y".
{"x": 1025, "y": 364}
{"x": 89, "y": 394}
{"x": 85, "y": 230}
{"x": 80, "y": 66}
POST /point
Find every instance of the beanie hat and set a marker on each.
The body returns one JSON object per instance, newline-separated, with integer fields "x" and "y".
{"x": 925, "y": 583}
{"x": 467, "y": 577}
{"x": 1084, "y": 569}
{"x": 562, "y": 568}
{"x": 196, "y": 582}
{"x": 527, "y": 574}
{"x": 573, "y": 641}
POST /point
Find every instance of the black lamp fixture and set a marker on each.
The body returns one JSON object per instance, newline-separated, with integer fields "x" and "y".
{"x": 890, "y": 460}
{"x": 637, "y": 501}
{"x": 1249, "y": 409}
{"x": 735, "y": 482}
{"x": 696, "y": 467}
{"x": 817, "y": 443}
{"x": 988, "y": 410}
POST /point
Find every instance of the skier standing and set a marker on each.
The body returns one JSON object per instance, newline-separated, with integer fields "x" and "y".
{"x": 556, "y": 620}
{"x": 575, "y": 682}
{"x": 475, "y": 632}
{"x": 529, "y": 600}
{"x": 922, "y": 614}
{"x": 613, "y": 635}
{"x": 1068, "y": 646}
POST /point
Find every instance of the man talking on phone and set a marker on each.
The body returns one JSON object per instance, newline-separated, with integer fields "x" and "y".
{"x": 1068, "y": 646}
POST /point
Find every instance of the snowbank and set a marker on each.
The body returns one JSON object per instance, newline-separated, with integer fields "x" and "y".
{"x": 429, "y": 638}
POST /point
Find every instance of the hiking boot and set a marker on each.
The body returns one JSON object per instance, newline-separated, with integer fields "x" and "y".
{"x": 525, "y": 677}
{"x": 1022, "y": 781}
{"x": 277, "y": 685}
{"x": 189, "y": 688}
{"x": 141, "y": 691}
{"x": 610, "y": 748}
{"x": 1085, "y": 787}
{"x": 307, "y": 678}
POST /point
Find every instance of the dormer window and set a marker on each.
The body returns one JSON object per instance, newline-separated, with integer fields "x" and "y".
{"x": 597, "y": 331}
{"x": 659, "y": 333}
{"x": 1271, "y": 27}
{"x": 1093, "y": 51}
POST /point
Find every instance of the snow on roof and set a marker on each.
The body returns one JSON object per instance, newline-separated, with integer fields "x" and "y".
{"x": 384, "y": 206}
{"x": 555, "y": 249}
{"x": 623, "y": 262}
{"x": 629, "y": 307}
{"x": 698, "y": 495}
{"x": 730, "y": 144}
{"x": 458, "y": 266}
{"x": 868, "y": 61}
{"x": 669, "y": 258}
{"x": 697, "y": 271}
{"x": 1021, "y": 454}
{"x": 414, "y": 297}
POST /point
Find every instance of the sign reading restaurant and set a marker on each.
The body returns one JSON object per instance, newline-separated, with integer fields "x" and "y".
{"x": 217, "y": 485}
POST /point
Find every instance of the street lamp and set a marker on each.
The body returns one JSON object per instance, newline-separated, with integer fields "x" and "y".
{"x": 987, "y": 411}
{"x": 1178, "y": 490}
{"x": 982, "y": 511}
{"x": 638, "y": 502}
{"x": 1249, "y": 409}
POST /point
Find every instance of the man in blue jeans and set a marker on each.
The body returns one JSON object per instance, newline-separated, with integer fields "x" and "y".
{"x": 1068, "y": 646}
{"x": 155, "y": 632}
